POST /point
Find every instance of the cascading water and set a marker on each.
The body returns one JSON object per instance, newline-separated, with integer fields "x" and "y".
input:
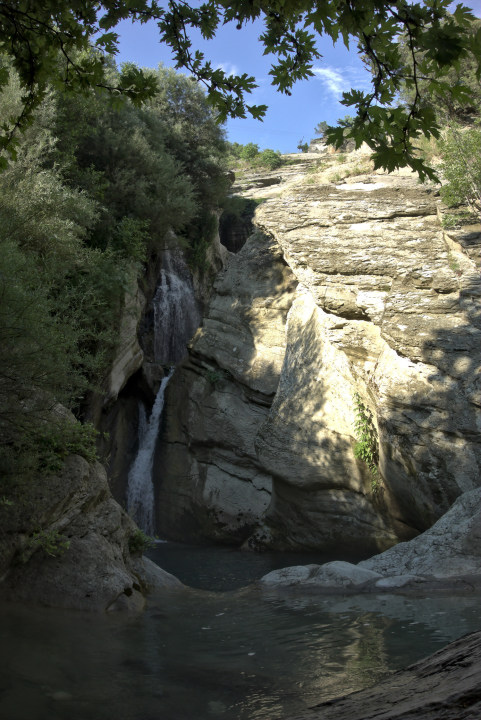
{"x": 140, "y": 491}
{"x": 176, "y": 317}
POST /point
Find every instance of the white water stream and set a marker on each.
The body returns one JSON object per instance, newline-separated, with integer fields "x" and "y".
{"x": 176, "y": 317}
{"x": 140, "y": 490}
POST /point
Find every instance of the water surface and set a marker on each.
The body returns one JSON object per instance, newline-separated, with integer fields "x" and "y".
{"x": 239, "y": 655}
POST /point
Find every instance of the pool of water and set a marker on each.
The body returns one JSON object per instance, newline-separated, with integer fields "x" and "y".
{"x": 243, "y": 654}
{"x": 220, "y": 568}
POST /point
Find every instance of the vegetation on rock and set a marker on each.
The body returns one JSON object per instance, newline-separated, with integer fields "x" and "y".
{"x": 461, "y": 167}
{"x": 366, "y": 447}
{"x": 139, "y": 542}
{"x": 249, "y": 156}
{"x": 51, "y": 542}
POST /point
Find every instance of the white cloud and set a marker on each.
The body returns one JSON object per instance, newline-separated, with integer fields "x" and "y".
{"x": 228, "y": 68}
{"x": 339, "y": 80}
{"x": 333, "y": 80}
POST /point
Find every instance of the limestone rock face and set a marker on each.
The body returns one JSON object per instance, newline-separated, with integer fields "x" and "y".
{"x": 129, "y": 356}
{"x": 397, "y": 324}
{"x": 451, "y": 547}
{"x": 350, "y": 289}
{"x": 96, "y": 571}
{"x": 321, "y": 496}
{"x": 210, "y": 480}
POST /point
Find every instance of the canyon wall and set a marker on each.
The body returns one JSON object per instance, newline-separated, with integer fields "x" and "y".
{"x": 347, "y": 289}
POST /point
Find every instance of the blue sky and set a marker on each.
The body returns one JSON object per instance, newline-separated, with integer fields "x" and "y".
{"x": 288, "y": 119}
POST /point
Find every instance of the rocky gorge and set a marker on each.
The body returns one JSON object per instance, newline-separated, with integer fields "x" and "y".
{"x": 348, "y": 296}
{"x": 345, "y": 297}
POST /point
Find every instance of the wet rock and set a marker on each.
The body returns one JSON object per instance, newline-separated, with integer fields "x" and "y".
{"x": 445, "y": 686}
{"x": 334, "y": 574}
{"x": 151, "y": 576}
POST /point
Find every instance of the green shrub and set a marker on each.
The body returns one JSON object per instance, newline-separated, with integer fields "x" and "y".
{"x": 366, "y": 447}
{"x": 51, "y": 542}
{"x": 454, "y": 222}
{"x": 199, "y": 238}
{"x": 249, "y": 152}
{"x": 461, "y": 167}
{"x": 57, "y": 440}
{"x": 269, "y": 159}
{"x": 139, "y": 542}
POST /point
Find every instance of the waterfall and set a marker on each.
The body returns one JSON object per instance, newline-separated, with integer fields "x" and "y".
{"x": 140, "y": 491}
{"x": 176, "y": 317}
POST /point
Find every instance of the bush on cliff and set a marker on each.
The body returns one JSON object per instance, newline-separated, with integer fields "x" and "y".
{"x": 461, "y": 167}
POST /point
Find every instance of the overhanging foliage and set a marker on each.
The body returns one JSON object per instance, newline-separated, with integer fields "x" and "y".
{"x": 48, "y": 44}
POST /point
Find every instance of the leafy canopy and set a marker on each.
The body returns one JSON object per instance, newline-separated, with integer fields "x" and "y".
{"x": 35, "y": 35}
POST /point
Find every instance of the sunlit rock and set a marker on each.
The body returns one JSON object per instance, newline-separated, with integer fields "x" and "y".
{"x": 380, "y": 305}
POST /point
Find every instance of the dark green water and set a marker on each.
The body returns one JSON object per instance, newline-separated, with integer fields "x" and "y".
{"x": 239, "y": 655}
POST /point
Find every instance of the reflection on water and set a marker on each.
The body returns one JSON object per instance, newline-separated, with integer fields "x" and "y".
{"x": 195, "y": 655}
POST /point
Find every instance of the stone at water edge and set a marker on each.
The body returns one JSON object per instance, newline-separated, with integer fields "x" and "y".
{"x": 444, "y": 686}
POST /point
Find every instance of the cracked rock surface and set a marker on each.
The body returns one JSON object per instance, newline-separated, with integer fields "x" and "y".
{"x": 349, "y": 286}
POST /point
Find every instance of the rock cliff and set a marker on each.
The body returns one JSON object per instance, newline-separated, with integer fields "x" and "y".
{"x": 347, "y": 288}
{"x": 210, "y": 480}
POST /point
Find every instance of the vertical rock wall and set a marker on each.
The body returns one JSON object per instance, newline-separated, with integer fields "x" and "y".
{"x": 374, "y": 301}
{"x": 211, "y": 483}
{"x": 402, "y": 309}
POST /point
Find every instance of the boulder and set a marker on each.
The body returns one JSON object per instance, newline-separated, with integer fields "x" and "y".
{"x": 335, "y": 574}
{"x": 450, "y": 548}
{"x": 68, "y": 545}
